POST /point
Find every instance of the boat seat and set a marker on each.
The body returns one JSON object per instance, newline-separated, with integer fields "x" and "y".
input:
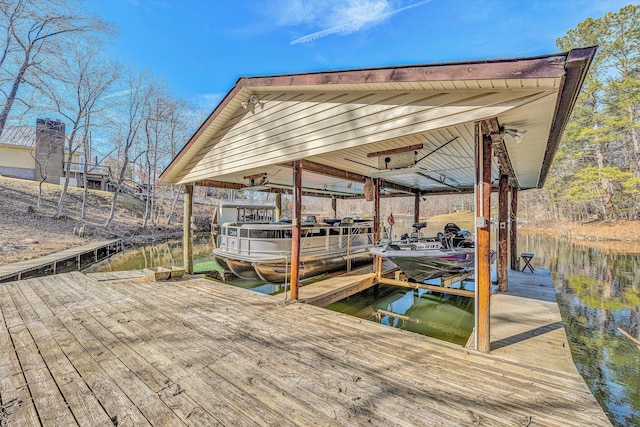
{"x": 419, "y": 225}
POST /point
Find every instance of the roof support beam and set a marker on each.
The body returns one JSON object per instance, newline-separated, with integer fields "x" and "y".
{"x": 296, "y": 230}
{"x": 310, "y": 193}
{"x": 321, "y": 169}
{"x": 513, "y": 230}
{"x": 220, "y": 184}
{"x": 396, "y": 150}
{"x": 483, "y": 240}
{"x": 239, "y": 186}
{"x": 503, "y": 216}
{"x": 187, "y": 231}
{"x": 491, "y": 128}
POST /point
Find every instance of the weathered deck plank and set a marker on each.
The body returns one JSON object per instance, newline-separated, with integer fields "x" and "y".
{"x": 539, "y": 335}
{"x": 197, "y": 352}
{"x": 525, "y": 384}
{"x": 15, "y": 398}
{"x": 85, "y": 355}
{"x": 520, "y": 385}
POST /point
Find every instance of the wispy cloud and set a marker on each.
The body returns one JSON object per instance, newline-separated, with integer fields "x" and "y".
{"x": 342, "y": 17}
{"x": 207, "y": 101}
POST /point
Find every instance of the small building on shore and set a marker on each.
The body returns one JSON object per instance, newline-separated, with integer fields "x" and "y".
{"x": 39, "y": 153}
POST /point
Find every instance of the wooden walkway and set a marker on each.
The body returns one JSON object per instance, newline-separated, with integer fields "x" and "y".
{"x": 526, "y": 324}
{"x": 75, "y": 351}
{"x": 336, "y": 288}
{"x": 67, "y": 260}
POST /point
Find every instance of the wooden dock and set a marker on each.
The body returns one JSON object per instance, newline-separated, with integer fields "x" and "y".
{"x": 526, "y": 324}
{"x": 77, "y": 351}
{"x": 336, "y": 288}
{"x": 64, "y": 261}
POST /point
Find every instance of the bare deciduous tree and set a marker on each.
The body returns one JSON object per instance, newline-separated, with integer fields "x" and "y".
{"x": 80, "y": 82}
{"x": 135, "y": 94}
{"x": 36, "y": 30}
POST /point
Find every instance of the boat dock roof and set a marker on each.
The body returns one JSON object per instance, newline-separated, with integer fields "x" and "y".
{"x": 75, "y": 350}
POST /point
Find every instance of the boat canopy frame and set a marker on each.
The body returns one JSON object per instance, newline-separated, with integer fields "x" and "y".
{"x": 411, "y": 130}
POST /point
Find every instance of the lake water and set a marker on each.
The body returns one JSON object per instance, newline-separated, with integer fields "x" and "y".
{"x": 156, "y": 255}
{"x": 446, "y": 317}
{"x": 598, "y": 291}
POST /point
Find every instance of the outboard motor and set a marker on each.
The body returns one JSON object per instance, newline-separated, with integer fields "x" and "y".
{"x": 452, "y": 237}
{"x": 451, "y": 228}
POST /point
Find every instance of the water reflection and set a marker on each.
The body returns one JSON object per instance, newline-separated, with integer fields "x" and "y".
{"x": 446, "y": 317}
{"x": 598, "y": 292}
{"x": 157, "y": 255}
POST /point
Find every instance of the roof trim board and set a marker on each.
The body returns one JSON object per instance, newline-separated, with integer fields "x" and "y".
{"x": 321, "y": 114}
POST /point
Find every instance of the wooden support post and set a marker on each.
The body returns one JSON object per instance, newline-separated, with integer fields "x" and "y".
{"x": 514, "y": 229}
{"x": 187, "y": 232}
{"x": 376, "y": 210}
{"x": 296, "y": 221}
{"x": 416, "y": 208}
{"x": 334, "y": 207}
{"x": 278, "y": 213}
{"x": 377, "y": 267}
{"x": 483, "y": 240}
{"x": 503, "y": 224}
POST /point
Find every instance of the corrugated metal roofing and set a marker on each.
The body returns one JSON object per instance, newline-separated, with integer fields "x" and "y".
{"x": 18, "y": 136}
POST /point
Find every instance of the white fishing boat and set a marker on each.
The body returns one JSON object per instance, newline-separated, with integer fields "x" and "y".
{"x": 423, "y": 258}
{"x": 263, "y": 251}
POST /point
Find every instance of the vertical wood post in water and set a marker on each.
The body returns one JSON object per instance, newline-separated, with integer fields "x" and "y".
{"x": 187, "y": 231}
{"x": 514, "y": 229}
{"x": 334, "y": 207}
{"x": 278, "y": 212}
{"x": 483, "y": 243}
{"x": 376, "y": 225}
{"x": 503, "y": 224}
{"x": 416, "y": 208}
{"x": 295, "y": 228}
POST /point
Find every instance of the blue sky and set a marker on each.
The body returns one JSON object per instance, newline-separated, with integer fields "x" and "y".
{"x": 201, "y": 47}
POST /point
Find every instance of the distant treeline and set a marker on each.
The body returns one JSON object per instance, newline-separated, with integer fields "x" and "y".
{"x": 596, "y": 172}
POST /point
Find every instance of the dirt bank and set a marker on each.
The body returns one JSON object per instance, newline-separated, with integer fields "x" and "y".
{"x": 28, "y": 231}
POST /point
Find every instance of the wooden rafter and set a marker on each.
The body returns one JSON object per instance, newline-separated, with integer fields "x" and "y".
{"x": 321, "y": 169}
{"x": 220, "y": 184}
{"x": 491, "y": 127}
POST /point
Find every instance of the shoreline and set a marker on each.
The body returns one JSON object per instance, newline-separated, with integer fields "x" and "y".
{"x": 617, "y": 231}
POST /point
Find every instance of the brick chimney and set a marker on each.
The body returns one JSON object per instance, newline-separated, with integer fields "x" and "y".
{"x": 49, "y": 150}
